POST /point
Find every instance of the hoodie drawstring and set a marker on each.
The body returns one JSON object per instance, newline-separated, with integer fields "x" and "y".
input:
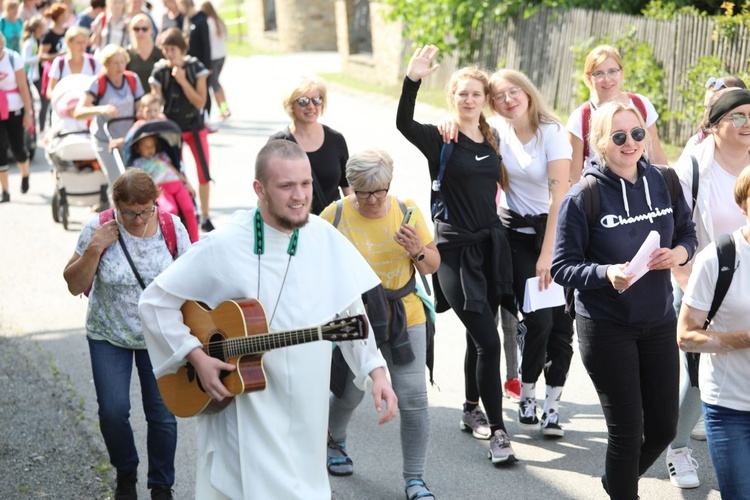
{"x": 648, "y": 194}
{"x": 625, "y": 198}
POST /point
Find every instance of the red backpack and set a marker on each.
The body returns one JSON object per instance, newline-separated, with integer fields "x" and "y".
{"x": 102, "y": 84}
{"x": 166, "y": 223}
{"x": 586, "y": 120}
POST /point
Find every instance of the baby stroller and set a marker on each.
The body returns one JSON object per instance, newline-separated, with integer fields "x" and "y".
{"x": 79, "y": 180}
{"x": 168, "y": 135}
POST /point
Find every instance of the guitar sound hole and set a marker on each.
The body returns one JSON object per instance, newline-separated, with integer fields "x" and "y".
{"x": 215, "y": 346}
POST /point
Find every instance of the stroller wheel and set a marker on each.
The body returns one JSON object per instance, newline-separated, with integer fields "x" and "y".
{"x": 56, "y": 207}
{"x": 63, "y": 210}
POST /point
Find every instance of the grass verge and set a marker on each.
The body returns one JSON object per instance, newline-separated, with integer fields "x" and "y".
{"x": 433, "y": 97}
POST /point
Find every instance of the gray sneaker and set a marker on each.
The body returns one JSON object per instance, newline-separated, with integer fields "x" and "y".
{"x": 501, "y": 452}
{"x": 476, "y": 422}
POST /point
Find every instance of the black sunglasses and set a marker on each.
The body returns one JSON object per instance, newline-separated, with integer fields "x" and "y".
{"x": 304, "y": 101}
{"x": 638, "y": 134}
{"x": 140, "y": 28}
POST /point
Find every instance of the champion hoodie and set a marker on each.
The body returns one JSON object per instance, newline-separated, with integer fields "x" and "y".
{"x": 628, "y": 212}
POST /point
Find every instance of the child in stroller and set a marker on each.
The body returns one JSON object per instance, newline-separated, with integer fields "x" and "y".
{"x": 148, "y": 146}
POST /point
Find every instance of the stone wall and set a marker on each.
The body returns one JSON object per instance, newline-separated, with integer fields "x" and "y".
{"x": 301, "y": 25}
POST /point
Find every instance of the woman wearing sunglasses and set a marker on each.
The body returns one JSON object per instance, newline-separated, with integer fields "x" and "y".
{"x": 603, "y": 75}
{"x": 626, "y": 328}
{"x": 325, "y": 147}
{"x": 144, "y": 54}
{"x": 101, "y": 265}
{"x": 717, "y": 159}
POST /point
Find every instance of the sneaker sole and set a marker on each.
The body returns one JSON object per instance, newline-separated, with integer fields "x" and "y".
{"x": 553, "y": 433}
{"x": 530, "y": 427}
{"x": 698, "y": 437}
{"x": 462, "y": 425}
{"x": 688, "y": 486}
{"x": 510, "y": 459}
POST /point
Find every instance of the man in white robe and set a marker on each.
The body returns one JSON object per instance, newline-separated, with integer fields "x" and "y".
{"x": 270, "y": 443}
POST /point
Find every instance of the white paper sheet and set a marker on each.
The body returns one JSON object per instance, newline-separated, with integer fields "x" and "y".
{"x": 533, "y": 299}
{"x": 639, "y": 263}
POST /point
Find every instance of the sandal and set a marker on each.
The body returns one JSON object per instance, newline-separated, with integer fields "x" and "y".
{"x": 339, "y": 464}
{"x": 423, "y": 493}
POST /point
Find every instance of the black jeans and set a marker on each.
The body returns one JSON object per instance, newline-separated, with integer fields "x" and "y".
{"x": 482, "y": 362}
{"x": 545, "y": 338}
{"x": 636, "y": 374}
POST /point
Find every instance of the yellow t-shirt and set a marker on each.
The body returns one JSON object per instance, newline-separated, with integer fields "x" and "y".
{"x": 374, "y": 240}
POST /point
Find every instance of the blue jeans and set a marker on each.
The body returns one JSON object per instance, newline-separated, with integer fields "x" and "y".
{"x": 112, "y": 366}
{"x": 728, "y": 434}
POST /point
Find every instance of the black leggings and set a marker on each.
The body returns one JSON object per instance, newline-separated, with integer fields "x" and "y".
{"x": 545, "y": 339}
{"x": 636, "y": 374}
{"x": 482, "y": 362}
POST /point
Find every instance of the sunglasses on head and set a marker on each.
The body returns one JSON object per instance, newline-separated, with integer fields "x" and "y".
{"x": 714, "y": 84}
{"x": 638, "y": 134}
{"x": 304, "y": 101}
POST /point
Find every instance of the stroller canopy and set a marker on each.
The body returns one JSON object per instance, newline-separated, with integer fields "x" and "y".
{"x": 168, "y": 133}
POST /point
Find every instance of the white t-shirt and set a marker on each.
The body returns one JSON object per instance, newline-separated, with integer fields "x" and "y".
{"x": 527, "y": 164}
{"x": 575, "y": 122}
{"x": 9, "y": 64}
{"x": 88, "y": 69}
{"x": 723, "y": 377}
{"x": 218, "y": 42}
{"x": 725, "y": 214}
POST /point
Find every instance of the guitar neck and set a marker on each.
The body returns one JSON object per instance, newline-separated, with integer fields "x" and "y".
{"x": 348, "y": 329}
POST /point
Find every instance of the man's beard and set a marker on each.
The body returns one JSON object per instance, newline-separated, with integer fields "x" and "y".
{"x": 289, "y": 224}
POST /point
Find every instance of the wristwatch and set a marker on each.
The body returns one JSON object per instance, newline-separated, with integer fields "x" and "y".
{"x": 419, "y": 257}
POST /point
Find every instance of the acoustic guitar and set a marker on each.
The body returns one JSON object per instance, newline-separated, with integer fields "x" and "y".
{"x": 236, "y": 332}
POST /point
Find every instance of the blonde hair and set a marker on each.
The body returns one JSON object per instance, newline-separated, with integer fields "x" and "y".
{"x": 306, "y": 85}
{"x": 138, "y": 18}
{"x": 75, "y": 31}
{"x": 110, "y": 51}
{"x": 474, "y": 73}
{"x": 742, "y": 189}
{"x": 597, "y": 56}
{"x": 539, "y": 112}
{"x": 9, "y": 4}
{"x": 601, "y": 126}
{"x": 370, "y": 169}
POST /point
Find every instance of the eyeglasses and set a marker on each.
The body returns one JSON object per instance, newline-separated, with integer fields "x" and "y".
{"x": 145, "y": 215}
{"x": 141, "y": 28}
{"x": 512, "y": 93}
{"x": 304, "y": 101}
{"x": 638, "y": 134}
{"x": 379, "y": 194}
{"x": 715, "y": 84}
{"x": 610, "y": 73}
{"x": 739, "y": 119}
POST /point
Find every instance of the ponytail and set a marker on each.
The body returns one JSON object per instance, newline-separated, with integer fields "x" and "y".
{"x": 490, "y": 137}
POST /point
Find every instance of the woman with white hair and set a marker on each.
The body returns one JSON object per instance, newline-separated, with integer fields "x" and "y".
{"x": 396, "y": 246}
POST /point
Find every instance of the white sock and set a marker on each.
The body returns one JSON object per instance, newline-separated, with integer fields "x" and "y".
{"x": 528, "y": 391}
{"x": 552, "y": 400}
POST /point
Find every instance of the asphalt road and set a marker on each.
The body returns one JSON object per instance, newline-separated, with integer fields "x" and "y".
{"x": 37, "y": 311}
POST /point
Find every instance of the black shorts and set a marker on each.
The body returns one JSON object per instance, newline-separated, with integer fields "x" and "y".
{"x": 12, "y": 134}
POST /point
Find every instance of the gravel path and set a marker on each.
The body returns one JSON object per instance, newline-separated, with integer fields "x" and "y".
{"x": 46, "y": 450}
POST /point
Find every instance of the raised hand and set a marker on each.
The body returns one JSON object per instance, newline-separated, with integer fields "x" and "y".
{"x": 422, "y": 63}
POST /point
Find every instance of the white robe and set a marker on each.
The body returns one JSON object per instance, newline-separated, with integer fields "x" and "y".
{"x": 270, "y": 443}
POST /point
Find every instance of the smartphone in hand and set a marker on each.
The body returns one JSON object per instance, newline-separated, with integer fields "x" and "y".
{"x": 407, "y": 216}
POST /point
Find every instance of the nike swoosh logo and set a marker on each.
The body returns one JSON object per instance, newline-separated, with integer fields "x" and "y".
{"x": 480, "y": 158}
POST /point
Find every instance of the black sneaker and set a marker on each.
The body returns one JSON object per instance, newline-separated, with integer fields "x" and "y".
{"x": 161, "y": 492}
{"x": 551, "y": 426}
{"x": 126, "y": 480}
{"x": 527, "y": 418}
{"x": 206, "y": 225}
{"x": 24, "y": 184}
{"x": 5, "y": 197}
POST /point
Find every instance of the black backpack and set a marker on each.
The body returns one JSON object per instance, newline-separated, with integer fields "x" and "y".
{"x": 177, "y": 107}
{"x": 592, "y": 207}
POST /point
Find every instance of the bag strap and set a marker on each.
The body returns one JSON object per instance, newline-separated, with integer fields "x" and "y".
{"x": 585, "y": 125}
{"x": 591, "y": 201}
{"x": 696, "y": 180}
{"x": 166, "y": 223}
{"x": 130, "y": 261}
{"x": 445, "y": 155}
{"x": 639, "y": 105}
{"x": 675, "y": 191}
{"x": 61, "y": 64}
{"x": 337, "y": 216}
{"x": 725, "y": 251}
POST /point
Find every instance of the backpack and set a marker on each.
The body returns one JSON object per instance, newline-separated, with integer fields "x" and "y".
{"x": 592, "y": 207}
{"x": 179, "y": 110}
{"x": 166, "y": 224}
{"x": 437, "y": 198}
{"x": 586, "y": 119}
{"x": 726, "y": 253}
{"x": 402, "y": 205}
{"x": 92, "y": 63}
{"x": 102, "y": 84}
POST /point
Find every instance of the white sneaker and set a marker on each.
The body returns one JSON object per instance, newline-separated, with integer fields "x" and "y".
{"x": 682, "y": 468}
{"x": 699, "y": 431}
